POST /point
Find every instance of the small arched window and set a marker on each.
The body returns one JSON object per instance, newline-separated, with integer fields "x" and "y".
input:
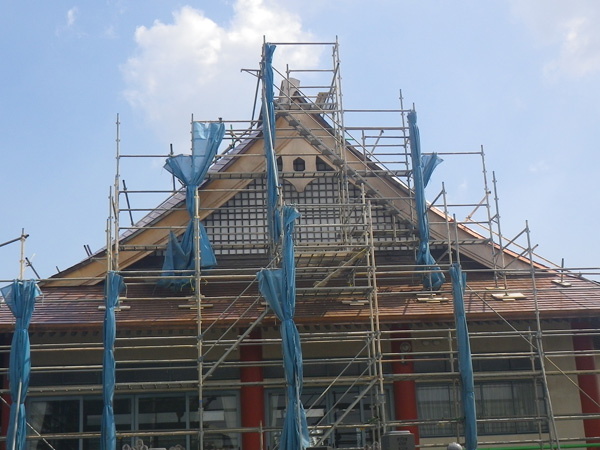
{"x": 299, "y": 165}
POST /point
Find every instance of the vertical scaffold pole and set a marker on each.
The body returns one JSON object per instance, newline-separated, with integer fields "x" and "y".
{"x": 115, "y": 253}
{"x": 553, "y": 435}
{"x": 22, "y": 239}
{"x": 198, "y": 298}
{"x": 375, "y": 326}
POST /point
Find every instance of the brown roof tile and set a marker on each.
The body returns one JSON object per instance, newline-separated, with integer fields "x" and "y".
{"x": 77, "y": 308}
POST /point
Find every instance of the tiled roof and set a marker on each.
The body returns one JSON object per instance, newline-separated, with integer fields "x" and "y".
{"x": 150, "y": 307}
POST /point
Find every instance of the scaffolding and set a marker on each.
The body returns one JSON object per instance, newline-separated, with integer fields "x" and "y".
{"x": 355, "y": 247}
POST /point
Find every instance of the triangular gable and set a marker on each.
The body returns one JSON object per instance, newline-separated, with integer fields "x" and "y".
{"x": 301, "y": 134}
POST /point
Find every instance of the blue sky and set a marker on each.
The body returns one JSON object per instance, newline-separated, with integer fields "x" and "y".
{"x": 519, "y": 77}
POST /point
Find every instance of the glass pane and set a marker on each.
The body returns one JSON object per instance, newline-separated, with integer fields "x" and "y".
{"x": 434, "y": 402}
{"x": 276, "y": 411}
{"x": 54, "y": 416}
{"x": 220, "y": 413}
{"x": 347, "y": 437}
{"x": 162, "y": 414}
{"x": 497, "y": 402}
{"x": 92, "y": 414}
{"x": 315, "y": 406}
{"x": 92, "y": 420}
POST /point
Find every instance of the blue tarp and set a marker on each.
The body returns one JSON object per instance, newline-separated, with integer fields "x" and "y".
{"x": 20, "y": 297}
{"x": 268, "y": 115}
{"x": 278, "y": 286}
{"x": 465, "y": 364}
{"x": 191, "y": 170}
{"x": 112, "y": 289}
{"x": 422, "y": 170}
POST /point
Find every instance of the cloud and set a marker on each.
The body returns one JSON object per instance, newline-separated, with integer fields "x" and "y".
{"x": 69, "y": 25}
{"x": 110, "y": 32}
{"x": 192, "y": 65}
{"x": 569, "y": 29}
{"x": 539, "y": 166}
{"x": 72, "y": 16}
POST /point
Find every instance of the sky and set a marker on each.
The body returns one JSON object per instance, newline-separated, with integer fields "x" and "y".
{"x": 519, "y": 77}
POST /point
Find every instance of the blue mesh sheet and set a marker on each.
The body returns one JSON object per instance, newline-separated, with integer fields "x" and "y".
{"x": 268, "y": 115}
{"x": 191, "y": 170}
{"x": 278, "y": 286}
{"x": 112, "y": 289}
{"x": 20, "y": 297}
{"x": 433, "y": 277}
{"x": 465, "y": 364}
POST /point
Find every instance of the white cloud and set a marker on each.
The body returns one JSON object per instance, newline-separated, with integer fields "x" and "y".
{"x": 110, "y": 32}
{"x": 69, "y": 25}
{"x": 539, "y": 166}
{"x": 192, "y": 65}
{"x": 570, "y": 28}
{"x": 72, "y": 16}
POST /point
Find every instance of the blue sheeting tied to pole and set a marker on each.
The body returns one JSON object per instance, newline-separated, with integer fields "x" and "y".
{"x": 465, "y": 364}
{"x": 20, "y": 297}
{"x": 422, "y": 170}
{"x": 268, "y": 114}
{"x": 191, "y": 170}
{"x": 278, "y": 286}
{"x": 112, "y": 289}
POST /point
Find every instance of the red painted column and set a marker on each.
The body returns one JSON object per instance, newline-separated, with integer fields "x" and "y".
{"x": 252, "y": 397}
{"x": 588, "y": 382}
{"x": 405, "y": 394}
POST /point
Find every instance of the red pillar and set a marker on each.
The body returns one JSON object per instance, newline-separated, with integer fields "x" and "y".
{"x": 252, "y": 396}
{"x": 588, "y": 382}
{"x": 405, "y": 394}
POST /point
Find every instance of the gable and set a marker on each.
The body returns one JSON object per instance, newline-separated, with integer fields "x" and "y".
{"x": 309, "y": 156}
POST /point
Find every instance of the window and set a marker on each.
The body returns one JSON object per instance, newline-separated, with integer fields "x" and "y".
{"x": 323, "y": 166}
{"x": 220, "y": 412}
{"x": 299, "y": 165}
{"x": 161, "y": 414}
{"x": 54, "y": 416}
{"x": 435, "y": 403}
{"x": 155, "y": 416}
{"x": 92, "y": 419}
{"x": 327, "y": 409}
{"x": 507, "y": 399}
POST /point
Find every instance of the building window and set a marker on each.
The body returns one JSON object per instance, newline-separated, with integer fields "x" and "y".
{"x": 155, "y": 417}
{"x": 221, "y": 411}
{"x": 299, "y": 165}
{"x": 161, "y": 414}
{"x": 322, "y": 166}
{"x": 54, "y": 416}
{"x": 435, "y": 403}
{"x": 92, "y": 419}
{"x": 440, "y": 405}
{"x": 322, "y": 410}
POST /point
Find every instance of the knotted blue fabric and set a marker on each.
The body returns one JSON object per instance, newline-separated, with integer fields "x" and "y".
{"x": 268, "y": 115}
{"x": 422, "y": 170}
{"x": 465, "y": 364}
{"x": 20, "y": 297}
{"x": 191, "y": 170}
{"x": 278, "y": 286}
{"x": 108, "y": 432}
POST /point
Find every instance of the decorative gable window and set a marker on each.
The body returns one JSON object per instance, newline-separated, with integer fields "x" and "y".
{"x": 299, "y": 165}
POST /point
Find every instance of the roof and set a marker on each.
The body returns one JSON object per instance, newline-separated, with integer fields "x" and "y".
{"x": 148, "y": 307}
{"x": 399, "y": 297}
{"x": 388, "y": 191}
